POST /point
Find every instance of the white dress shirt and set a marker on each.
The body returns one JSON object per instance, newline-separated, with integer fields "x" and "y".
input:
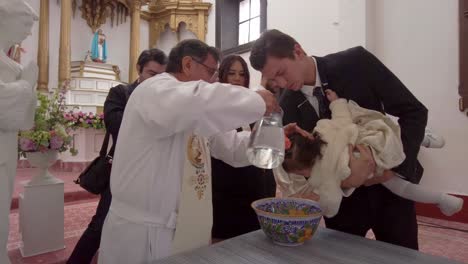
{"x": 308, "y": 90}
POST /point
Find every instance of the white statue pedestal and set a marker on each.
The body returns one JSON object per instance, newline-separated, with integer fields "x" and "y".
{"x": 41, "y": 218}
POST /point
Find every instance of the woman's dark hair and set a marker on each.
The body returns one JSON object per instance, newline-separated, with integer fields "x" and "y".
{"x": 226, "y": 65}
{"x": 148, "y": 55}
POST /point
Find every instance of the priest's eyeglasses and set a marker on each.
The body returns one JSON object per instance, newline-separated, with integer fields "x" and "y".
{"x": 213, "y": 72}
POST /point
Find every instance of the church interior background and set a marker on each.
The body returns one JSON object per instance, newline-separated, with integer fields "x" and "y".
{"x": 89, "y": 46}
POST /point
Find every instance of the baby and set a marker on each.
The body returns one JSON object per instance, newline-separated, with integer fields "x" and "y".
{"x": 317, "y": 163}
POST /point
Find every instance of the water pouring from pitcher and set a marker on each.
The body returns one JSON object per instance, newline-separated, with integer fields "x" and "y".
{"x": 266, "y": 145}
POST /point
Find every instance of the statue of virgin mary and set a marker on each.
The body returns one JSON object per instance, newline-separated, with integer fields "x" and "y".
{"x": 99, "y": 47}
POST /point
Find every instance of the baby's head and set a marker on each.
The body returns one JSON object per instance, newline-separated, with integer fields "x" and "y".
{"x": 303, "y": 153}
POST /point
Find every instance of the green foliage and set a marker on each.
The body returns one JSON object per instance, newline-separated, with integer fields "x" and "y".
{"x": 51, "y": 130}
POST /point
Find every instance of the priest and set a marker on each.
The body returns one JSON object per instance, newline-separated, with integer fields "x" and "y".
{"x": 161, "y": 175}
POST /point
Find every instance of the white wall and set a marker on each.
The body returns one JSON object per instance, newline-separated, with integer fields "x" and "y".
{"x": 167, "y": 40}
{"x": 418, "y": 41}
{"x": 118, "y": 41}
{"x": 184, "y": 33}
{"x": 144, "y": 35}
{"x": 210, "y": 37}
{"x": 313, "y": 23}
{"x": 352, "y": 23}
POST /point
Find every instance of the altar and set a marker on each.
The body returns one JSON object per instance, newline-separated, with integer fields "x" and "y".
{"x": 89, "y": 85}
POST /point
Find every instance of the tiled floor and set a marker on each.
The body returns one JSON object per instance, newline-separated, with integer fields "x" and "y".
{"x": 80, "y": 208}
{"x": 443, "y": 242}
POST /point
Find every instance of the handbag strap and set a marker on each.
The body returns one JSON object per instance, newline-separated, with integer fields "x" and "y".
{"x": 105, "y": 144}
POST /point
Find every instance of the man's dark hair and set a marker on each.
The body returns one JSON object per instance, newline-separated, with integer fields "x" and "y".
{"x": 148, "y": 55}
{"x": 271, "y": 43}
{"x": 226, "y": 66}
{"x": 190, "y": 47}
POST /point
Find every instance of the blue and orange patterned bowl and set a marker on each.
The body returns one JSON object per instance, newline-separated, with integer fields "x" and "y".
{"x": 288, "y": 221}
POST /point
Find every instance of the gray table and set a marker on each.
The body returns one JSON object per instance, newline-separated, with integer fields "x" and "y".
{"x": 327, "y": 246}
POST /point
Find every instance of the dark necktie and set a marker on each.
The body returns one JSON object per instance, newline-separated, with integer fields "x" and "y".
{"x": 322, "y": 102}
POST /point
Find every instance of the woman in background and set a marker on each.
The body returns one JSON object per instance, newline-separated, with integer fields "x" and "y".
{"x": 234, "y": 189}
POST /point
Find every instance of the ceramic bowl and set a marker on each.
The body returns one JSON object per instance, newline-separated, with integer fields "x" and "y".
{"x": 288, "y": 221}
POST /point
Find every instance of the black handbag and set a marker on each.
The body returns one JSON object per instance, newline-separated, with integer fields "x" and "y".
{"x": 96, "y": 177}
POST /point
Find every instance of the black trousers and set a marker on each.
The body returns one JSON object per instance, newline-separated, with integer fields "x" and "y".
{"x": 89, "y": 242}
{"x": 391, "y": 218}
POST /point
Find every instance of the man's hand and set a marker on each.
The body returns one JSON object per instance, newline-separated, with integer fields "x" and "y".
{"x": 270, "y": 101}
{"x": 331, "y": 95}
{"x": 293, "y": 128}
{"x": 387, "y": 175}
{"x": 290, "y": 129}
{"x": 362, "y": 167}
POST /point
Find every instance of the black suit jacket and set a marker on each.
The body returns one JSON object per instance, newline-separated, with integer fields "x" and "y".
{"x": 114, "y": 108}
{"x": 357, "y": 75}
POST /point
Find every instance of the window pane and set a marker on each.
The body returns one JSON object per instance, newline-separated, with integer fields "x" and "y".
{"x": 254, "y": 29}
{"x": 244, "y": 10}
{"x": 243, "y": 33}
{"x": 254, "y": 8}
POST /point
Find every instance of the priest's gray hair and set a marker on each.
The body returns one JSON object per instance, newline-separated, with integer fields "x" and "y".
{"x": 190, "y": 47}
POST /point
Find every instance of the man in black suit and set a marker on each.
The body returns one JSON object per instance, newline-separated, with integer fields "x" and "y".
{"x": 357, "y": 75}
{"x": 150, "y": 63}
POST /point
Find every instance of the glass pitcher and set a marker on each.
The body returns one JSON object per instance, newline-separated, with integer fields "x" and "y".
{"x": 266, "y": 145}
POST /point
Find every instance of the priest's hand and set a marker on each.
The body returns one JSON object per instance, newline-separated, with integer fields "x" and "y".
{"x": 270, "y": 101}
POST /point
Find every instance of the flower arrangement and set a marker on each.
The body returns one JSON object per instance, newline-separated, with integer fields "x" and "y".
{"x": 51, "y": 130}
{"x": 85, "y": 120}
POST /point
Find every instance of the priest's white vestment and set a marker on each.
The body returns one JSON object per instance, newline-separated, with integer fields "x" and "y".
{"x": 161, "y": 174}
